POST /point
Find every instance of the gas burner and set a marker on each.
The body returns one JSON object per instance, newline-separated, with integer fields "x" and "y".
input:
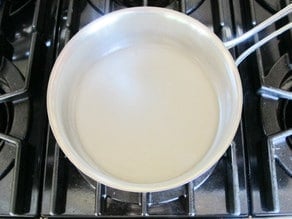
{"x": 274, "y": 109}
{"x": 154, "y": 198}
{"x": 275, "y": 105}
{"x": 135, "y": 3}
{"x": 13, "y": 115}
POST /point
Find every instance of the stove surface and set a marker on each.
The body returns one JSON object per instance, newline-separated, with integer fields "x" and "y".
{"x": 254, "y": 177}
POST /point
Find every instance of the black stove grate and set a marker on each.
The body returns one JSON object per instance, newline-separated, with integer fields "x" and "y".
{"x": 37, "y": 180}
{"x": 266, "y": 131}
{"x": 22, "y": 103}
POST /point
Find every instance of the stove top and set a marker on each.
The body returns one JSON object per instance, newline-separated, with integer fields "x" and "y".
{"x": 254, "y": 177}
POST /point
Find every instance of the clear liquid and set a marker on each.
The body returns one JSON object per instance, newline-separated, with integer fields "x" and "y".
{"x": 146, "y": 113}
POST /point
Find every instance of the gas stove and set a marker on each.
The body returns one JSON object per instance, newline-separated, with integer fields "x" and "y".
{"x": 253, "y": 178}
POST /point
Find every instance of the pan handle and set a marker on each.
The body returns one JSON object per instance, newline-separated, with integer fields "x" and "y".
{"x": 232, "y": 43}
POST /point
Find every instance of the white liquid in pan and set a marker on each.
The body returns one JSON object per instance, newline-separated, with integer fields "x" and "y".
{"x": 146, "y": 113}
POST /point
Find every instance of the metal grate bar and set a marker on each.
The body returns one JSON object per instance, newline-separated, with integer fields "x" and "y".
{"x": 15, "y": 184}
{"x": 281, "y": 150}
{"x": 18, "y": 94}
{"x": 36, "y": 16}
{"x": 73, "y": 16}
{"x": 69, "y": 22}
{"x": 33, "y": 58}
{"x": 225, "y": 22}
{"x": 256, "y": 39}
{"x": 70, "y": 14}
{"x": 59, "y": 183}
{"x": 221, "y": 14}
{"x": 233, "y": 201}
{"x": 107, "y": 6}
{"x": 144, "y": 204}
{"x": 274, "y": 93}
{"x": 272, "y": 183}
{"x": 191, "y": 199}
{"x": 252, "y": 13}
{"x": 100, "y": 199}
{"x": 183, "y": 6}
{"x": 54, "y": 182}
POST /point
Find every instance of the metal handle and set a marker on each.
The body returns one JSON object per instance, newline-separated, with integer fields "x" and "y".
{"x": 232, "y": 43}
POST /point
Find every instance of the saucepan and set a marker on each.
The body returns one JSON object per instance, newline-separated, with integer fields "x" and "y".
{"x": 147, "y": 99}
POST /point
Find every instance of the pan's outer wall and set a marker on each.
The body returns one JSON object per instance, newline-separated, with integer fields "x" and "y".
{"x": 116, "y": 30}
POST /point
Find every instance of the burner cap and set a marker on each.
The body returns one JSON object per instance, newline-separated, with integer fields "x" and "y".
{"x": 135, "y": 3}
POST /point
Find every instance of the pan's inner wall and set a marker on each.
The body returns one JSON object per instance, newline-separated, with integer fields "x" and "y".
{"x": 142, "y": 114}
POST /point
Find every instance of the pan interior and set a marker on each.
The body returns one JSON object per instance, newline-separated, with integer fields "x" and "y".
{"x": 146, "y": 113}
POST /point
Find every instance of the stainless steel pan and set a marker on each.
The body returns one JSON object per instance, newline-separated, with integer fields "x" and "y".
{"x": 147, "y": 99}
